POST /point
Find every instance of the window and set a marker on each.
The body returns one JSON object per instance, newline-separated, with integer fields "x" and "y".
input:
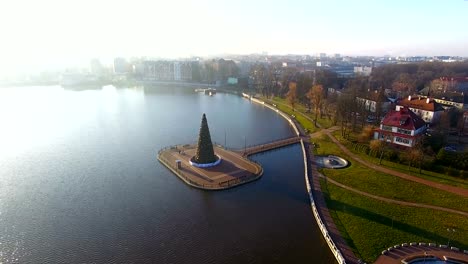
{"x": 386, "y": 128}
{"x": 404, "y": 131}
{"x": 402, "y": 140}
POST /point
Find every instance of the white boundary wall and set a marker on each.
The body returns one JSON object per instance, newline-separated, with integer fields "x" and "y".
{"x": 285, "y": 116}
{"x": 336, "y": 252}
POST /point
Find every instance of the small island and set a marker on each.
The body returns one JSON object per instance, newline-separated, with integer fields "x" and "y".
{"x": 209, "y": 167}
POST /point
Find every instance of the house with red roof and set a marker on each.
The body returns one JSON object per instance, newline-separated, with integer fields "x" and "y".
{"x": 426, "y": 108}
{"x": 401, "y": 127}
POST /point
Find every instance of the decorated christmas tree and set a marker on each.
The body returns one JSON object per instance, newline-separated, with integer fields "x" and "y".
{"x": 205, "y": 153}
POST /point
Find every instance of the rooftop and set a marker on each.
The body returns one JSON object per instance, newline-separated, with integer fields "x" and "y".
{"x": 404, "y": 118}
{"x": 422, "y": 103}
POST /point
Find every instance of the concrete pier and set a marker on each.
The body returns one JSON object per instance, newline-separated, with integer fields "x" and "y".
{"x": 233, "y": 170}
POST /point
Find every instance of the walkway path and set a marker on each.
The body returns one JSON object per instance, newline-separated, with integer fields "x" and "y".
{"x": 394, "y": 201}
{"x": 448, "y": 188}
{"x": 323, "y": 211}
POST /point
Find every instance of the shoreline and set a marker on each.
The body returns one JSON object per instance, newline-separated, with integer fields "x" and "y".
{"x": 307, "y": 162}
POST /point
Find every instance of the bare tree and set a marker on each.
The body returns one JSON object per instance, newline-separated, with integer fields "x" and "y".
{"x": 316, "y": 96}
{"x": 291, "y": 96}
{"x": 378, "y": 147}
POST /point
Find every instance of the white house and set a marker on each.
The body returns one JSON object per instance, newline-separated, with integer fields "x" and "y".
{"x": 426, "y": 108}
{"x": 401, "y": 127}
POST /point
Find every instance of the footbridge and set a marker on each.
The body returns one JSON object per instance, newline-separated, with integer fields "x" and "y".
{"x": 250, "y": 150}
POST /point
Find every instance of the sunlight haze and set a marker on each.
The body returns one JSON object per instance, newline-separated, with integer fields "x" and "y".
{"x": 51, "y": 34}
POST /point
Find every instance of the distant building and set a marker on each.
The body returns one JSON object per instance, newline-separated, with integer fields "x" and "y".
{"x": 402, "y": 127}
{"x": 362, "y": 70}
{"x": 426, "y": 108}
{"x": 121, "y": 66}
{"x": 343, "y": 71}
{"x": 168, "y": 70}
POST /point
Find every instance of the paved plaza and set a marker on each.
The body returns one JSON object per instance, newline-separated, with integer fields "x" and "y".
{"x": 232, "y": 171}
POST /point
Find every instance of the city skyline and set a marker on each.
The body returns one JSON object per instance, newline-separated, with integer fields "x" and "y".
{"x": 55, "y": 34}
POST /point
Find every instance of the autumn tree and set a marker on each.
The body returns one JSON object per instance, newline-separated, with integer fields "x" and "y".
{"x": 377, "y": 147}
{"x": 316, "y": 96}
{"x": 415, "y": 154}
{"x": 366, "y": 134}
{"x": 291, "y": 96}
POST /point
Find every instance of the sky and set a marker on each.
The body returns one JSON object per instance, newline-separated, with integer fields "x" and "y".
{"x": 48, "y": 34}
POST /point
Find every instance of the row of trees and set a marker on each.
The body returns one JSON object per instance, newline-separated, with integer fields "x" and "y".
{"x": 409, "y": 78}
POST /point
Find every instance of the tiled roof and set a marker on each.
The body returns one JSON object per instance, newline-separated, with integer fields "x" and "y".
{"x": 422, "y": 103}
{"x": 404, "y": 118}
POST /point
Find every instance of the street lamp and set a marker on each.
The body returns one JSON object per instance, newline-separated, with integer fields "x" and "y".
{"x": 451, "y": 231}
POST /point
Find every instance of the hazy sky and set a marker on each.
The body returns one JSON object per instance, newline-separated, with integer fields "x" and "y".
{"x": 48, "y": 33}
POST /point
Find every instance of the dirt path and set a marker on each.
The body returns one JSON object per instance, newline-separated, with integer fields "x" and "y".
{"x": 392, "y": 200}
{"x": 452, "y": 189}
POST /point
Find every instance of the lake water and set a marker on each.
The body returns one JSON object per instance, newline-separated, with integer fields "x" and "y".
{"x": 80, "y": 183}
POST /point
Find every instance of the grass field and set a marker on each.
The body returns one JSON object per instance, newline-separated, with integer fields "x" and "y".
{"x": 370, "y": 226}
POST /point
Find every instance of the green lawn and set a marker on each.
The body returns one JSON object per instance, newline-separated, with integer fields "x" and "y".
{"x": 281, "y": 104}
{"x": 365, "y": 179}
{"x": 370, "y": 226}
{"x": 428, "y": 175}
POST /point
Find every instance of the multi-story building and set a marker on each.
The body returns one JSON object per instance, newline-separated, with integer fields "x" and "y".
{"x": 375, "y": 102}
{"x": 452, "y": 99}
{"x": 168, "y": 70}
{"x": 362, "y": 70}
{"x": 459, "y": 84}
{"x": 426, "y": 108}
{"x": 401, "y": 127}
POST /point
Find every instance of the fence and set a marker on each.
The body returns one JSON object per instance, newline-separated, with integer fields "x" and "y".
{"x": 336, "y": 252}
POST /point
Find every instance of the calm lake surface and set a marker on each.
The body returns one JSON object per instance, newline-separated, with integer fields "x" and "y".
{"x": 80, "y": 183}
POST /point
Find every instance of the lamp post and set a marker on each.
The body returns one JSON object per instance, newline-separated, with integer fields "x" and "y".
{"x": 451, "y": 231}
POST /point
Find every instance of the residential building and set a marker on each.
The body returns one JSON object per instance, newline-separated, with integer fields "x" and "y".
{"x": 458, "y": 84}
{"x": 401, "y": 127}
{"x": 375, "y": 102}
{"x": 362, "y": 70}
{"x": 426, "y": 108}
{"x": 452, "y": 99}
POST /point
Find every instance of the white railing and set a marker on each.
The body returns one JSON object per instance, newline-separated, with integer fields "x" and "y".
{"x": 285, "y": 116}
{"x": 336, "y": 252}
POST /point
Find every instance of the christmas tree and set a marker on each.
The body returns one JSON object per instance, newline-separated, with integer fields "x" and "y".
{"x": 205, "y": 153}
